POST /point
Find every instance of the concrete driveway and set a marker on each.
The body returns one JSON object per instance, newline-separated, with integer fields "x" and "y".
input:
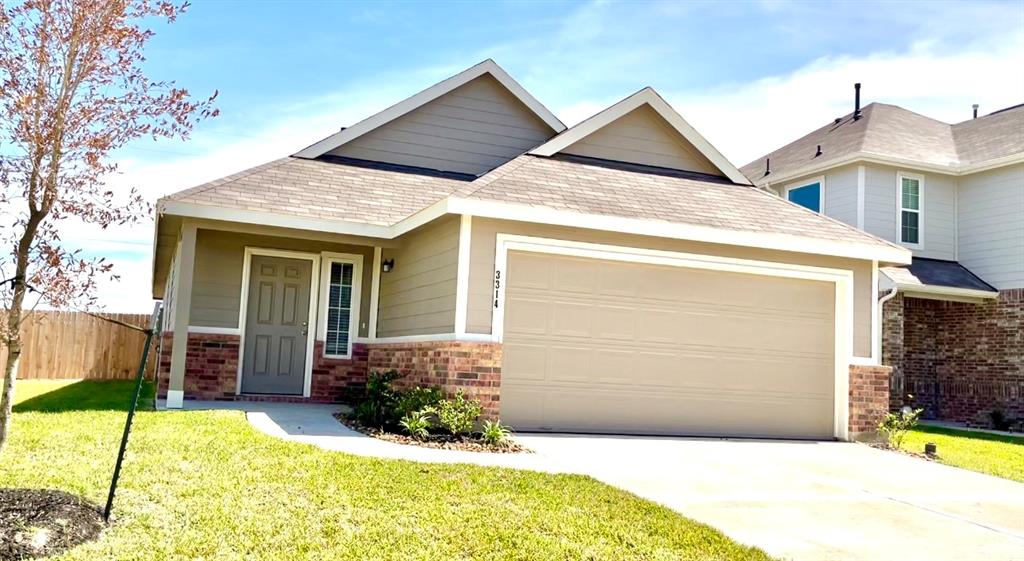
{"x": 811, "y": 500}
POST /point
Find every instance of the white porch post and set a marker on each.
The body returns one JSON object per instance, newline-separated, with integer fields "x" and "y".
{"x": 182, "y": 306}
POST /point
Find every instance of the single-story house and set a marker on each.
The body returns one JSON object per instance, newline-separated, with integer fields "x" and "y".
{"x": 617, "y": 276}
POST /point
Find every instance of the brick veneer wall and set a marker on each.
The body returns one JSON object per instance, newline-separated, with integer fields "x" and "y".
{"x": 474, "y": 368}
{"x": 335, "y": 379}
{"x": 869, "y": 398}
{"x": 211, "y": 365}
{"x": 959, "y": 360}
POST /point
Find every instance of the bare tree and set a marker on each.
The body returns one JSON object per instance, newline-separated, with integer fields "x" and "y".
{"x": 72, "y": 90}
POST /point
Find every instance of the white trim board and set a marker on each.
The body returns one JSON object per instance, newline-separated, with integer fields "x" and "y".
{"x": 881, "y": 159}
{"x": 314, "y": 291}
{"x": 439, "y": 337}
{"x": 646, "y": 96}
{"x": 462, "y": 276}
{"x": 371, "y": 330}
{"x": 843, "y": 280}
{"x": 214, "y": 330}
{"x": 426, "y": 96}
{"x": 889, "y": 253}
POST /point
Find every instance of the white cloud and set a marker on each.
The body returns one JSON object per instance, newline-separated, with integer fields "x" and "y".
{"x": 744, "y": 120}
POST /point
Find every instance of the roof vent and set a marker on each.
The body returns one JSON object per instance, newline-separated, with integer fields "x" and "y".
{"x": 975, "y": 107}
{"x": 818, "y": 152}
{"x": 856, "y": 101}
{"x": 767, "y": 166}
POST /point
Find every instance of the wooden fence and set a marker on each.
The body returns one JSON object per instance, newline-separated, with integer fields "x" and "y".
{"x": 77, "y": 345}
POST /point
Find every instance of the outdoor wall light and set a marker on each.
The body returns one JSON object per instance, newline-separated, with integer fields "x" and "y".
{"x": 387, "y": 265}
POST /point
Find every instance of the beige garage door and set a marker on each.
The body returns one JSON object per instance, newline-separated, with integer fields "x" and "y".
{"x": 617, "y": 347}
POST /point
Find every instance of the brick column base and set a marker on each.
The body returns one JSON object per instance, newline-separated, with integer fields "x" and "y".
{"x": 869, "y": 399}
{"x": 211, "y": 366}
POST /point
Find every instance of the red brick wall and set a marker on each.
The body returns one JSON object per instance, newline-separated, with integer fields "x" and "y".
{"x": 869, "y": 398}
{"x": 211, "y": 365}
{"x": 474, "y": 368}
{"x": 337, "y": 379}
{"x": 960, "y": 360}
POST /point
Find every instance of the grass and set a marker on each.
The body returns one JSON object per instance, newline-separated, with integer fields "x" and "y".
{"x": 994, "y": 454}
{"x": 205, "y": 485}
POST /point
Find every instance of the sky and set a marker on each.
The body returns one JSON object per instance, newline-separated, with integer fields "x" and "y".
{"x": 750, "y": 76}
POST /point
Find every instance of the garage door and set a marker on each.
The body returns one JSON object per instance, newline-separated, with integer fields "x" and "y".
{"x": 619, "y": 347}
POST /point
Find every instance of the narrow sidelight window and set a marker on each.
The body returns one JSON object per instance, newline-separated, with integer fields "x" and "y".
{"x": 339, "y": 309}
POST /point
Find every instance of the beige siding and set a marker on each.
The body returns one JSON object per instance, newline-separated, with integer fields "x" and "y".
{"x": 217, "y": 281}
{"x": 485, "y": 233}
{"x": 938, "y": 220}
{"x": 643, "y": 137}
{"x": 418, "y": 296}
{"x": 472, "y": 129}
{"x": 991, "y": 230}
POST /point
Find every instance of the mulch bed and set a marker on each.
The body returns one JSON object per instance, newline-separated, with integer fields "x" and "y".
{"x": 42, "y": 522}
{"x": 440, "y": 441}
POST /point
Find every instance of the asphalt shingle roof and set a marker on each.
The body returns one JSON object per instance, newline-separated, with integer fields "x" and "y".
{"x": 891, "y": 131}
{"x": 935, "y": 272}
{"x": 383, "y": 194}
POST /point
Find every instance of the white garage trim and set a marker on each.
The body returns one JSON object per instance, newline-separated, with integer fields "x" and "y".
{"x": 843, "y": 280}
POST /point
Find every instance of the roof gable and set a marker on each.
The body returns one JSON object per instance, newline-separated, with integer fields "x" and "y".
{"x": 642, "y": 129}
{"x": 478, "y": 89}
{"x": 472, "y": 129}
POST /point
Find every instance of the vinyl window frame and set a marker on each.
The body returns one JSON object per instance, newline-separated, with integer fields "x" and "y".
{"x": 327, "y": 260}
{"x": 900, "y": 209}
{"x": 820, "y": 180}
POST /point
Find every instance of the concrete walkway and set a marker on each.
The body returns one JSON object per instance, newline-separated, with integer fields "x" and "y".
{"x": 810, "y": 501}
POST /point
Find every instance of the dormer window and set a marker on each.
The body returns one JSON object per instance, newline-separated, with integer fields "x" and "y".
{"x": 910, "y": 198}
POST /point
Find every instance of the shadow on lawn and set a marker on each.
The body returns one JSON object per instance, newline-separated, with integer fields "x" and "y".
{"x": 87, "y": 395}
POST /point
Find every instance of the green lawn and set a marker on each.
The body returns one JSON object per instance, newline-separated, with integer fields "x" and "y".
{"x": 994, "y": 454}
{"x": 205, "y": 485}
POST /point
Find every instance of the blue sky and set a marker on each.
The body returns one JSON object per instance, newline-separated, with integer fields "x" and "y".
{"x": 749, "y": 75}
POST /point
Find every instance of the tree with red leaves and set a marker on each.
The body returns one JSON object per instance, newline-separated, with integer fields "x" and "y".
{"x": 72, "y": 90}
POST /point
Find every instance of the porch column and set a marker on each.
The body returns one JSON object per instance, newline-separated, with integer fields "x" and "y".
{"x": 182, "y": 307}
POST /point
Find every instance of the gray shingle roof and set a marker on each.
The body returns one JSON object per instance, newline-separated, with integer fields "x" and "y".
{"x": 370, "y": 194}
{"x": 891, "y": 131}
{"x": 591, "y": 186}
{"x": 384, "y": 195}
{"x": 934, "y": 272}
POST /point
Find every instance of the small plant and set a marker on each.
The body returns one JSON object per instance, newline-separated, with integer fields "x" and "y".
{"x": 416, "y": 400}
{"x": 493, "y": 433}
{"x": 417, "y": 424}
{"x": 377, "y": 409}
{"x": 458, "y": 415}
{"x": 896, "y": 425}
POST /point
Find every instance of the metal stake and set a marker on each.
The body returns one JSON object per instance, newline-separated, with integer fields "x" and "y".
{"x": 131, "y": 411}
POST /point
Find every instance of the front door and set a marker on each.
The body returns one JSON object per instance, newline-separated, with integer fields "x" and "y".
{"x": 276, "y": 325}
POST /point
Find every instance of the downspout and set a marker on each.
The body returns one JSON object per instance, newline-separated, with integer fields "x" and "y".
{"x": 881, "y": 318}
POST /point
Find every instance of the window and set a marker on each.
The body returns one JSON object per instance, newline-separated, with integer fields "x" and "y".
{"x": 339, "y": 297}
{"x": 807, "y": 196}
{"x": 910, "y": 209}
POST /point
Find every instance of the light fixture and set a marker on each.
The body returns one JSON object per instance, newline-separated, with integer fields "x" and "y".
{"x": 387, "y": 265}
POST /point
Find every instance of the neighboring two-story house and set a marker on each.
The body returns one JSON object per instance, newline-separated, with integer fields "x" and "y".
{"x": 953, "y": 320}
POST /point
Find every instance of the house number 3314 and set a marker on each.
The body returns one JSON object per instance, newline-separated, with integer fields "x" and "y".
{"x": 497, "y": 287}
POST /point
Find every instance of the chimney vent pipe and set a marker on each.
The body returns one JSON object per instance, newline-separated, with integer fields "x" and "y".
{"x": 856, "y": 101}
{"x": 975, "y": 107}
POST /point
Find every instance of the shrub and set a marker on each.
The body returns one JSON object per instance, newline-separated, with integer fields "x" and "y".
{"x": 377, "y": 408}
{"x": 1000, "y": 421}
{"x": 896, "y": 425}
{"x": 458, "y": 415}
{"x": 417, "y": 424}
{"x": 493, "y": 433}
{"x": 416, "y": 400}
